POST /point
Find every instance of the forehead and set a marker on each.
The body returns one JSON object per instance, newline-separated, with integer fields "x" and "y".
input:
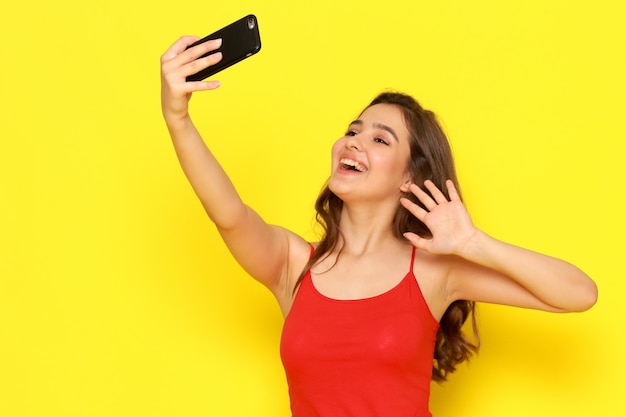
{"x": 387, "y": 114}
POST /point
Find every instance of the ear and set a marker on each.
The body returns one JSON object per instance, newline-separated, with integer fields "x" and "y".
{"x": 405, "y": 185}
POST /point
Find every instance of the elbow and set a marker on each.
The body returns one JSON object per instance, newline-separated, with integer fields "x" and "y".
{"x": 591, "y": 296}
{"x": 587, "y": 297}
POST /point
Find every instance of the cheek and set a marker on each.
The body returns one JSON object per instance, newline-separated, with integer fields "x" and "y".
{"x": 396, "y": 168}
{"x": 337, "y": 147}
{"x": 334, "y": 157}
{"x": 391, "y": 163}
{"x": 339, "y": 143}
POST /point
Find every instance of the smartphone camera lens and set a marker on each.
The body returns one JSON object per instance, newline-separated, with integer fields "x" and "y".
{"x": 251, "y": 23}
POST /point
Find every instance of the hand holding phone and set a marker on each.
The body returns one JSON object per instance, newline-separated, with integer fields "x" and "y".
{"x": 240, "y": 40}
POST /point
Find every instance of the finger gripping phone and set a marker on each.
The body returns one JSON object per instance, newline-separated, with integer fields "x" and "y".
{"x": 240, "y": 40}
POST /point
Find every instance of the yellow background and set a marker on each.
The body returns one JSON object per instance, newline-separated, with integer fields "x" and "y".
{"x": 117, "y": 297}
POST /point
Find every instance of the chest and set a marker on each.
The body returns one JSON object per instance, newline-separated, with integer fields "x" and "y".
{"x": 358, "y": 280}
{"x": 393, "y": 328}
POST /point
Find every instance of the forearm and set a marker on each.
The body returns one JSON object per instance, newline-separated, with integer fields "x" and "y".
{"x": 553, "y": 281}
{"x": 208, "y": 179}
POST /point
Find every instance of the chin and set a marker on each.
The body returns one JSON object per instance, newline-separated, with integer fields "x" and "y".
{"x": 341, "y": 190}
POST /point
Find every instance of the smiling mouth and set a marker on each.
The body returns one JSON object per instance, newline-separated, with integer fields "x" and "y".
{"x": 352, "y": 165}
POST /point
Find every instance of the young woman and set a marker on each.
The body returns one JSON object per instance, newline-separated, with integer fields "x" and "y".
{"x": 373, "y": 311}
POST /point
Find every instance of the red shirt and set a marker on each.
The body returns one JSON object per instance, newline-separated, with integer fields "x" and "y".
{"x": 370, "y": 357}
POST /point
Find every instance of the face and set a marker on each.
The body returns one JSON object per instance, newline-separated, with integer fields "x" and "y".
{"x": 371, "y": 161}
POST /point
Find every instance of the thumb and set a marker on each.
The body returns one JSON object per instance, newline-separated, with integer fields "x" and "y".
{"x": 417, "y": 241}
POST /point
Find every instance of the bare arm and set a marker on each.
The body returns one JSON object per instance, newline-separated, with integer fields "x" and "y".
{"x": 520, "y": 277}
{"x": 262, "y": 250}
{"x": 489, "y": 270}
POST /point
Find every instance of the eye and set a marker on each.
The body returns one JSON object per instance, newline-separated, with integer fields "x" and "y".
{"x": 381, "y": 140}
{"x": 351, "y": 133}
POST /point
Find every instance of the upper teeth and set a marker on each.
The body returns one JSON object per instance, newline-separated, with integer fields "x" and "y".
{"x": 352, "y": 163}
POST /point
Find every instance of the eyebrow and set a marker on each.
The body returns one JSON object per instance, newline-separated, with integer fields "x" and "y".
{"x": 378, "y": 126}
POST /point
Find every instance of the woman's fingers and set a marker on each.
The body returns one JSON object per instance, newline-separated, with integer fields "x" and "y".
{"x": 201, "y": 63}
{"x": 180, "y": 61}
{"x": 439, "y": 197}
{"x": 413, "y": 208}
{"x": 436, "y": 196}
{"x": 416, "y": 240}
{"x": 178, "y": 48}
{"x": 190, "y": 60}
{"x": 452, "y": 192}
{"x": 195, "y": 52}
{"x": 423, "y": 197}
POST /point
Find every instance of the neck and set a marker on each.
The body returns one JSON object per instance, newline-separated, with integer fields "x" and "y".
{"x": 367, "y": 228}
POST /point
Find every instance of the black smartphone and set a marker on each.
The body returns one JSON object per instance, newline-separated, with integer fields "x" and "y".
{"x": 240, "y": 40}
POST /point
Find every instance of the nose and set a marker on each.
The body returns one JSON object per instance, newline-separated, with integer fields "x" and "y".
{"x": 354, "y": 142}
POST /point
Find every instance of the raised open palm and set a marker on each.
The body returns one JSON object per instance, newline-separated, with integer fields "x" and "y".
{"x": 447, "y": 220}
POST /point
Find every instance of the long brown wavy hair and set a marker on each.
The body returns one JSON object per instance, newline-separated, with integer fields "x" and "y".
{"x": 431, "y": 158}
